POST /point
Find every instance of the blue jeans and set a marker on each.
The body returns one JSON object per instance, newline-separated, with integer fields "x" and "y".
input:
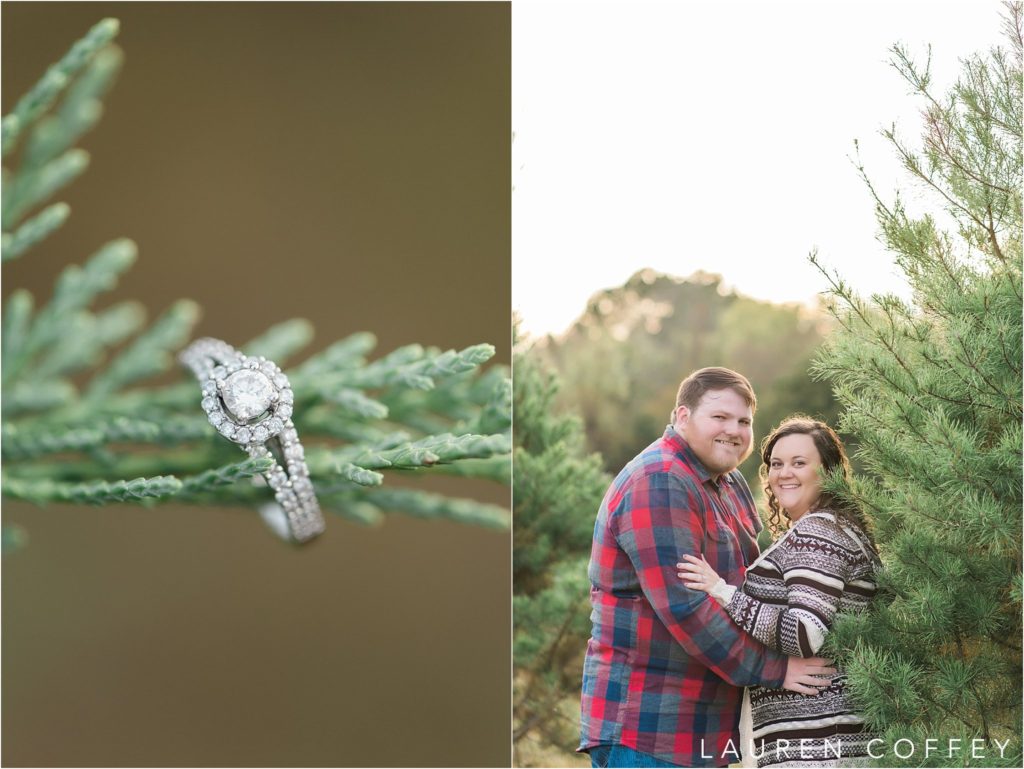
{"x": 604, "y": 756}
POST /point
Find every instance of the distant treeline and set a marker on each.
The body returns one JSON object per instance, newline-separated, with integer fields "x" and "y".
{"x": 621, "y": 362}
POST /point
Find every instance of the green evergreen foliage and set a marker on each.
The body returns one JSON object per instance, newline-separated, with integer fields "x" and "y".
{"x": 932, "y": 391}
{"x": 623, "y": 359}
{"x": 113, "y": 439}
{"x": 557, "y": 488}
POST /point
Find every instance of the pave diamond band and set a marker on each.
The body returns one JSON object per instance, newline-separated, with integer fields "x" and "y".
{"x": 249, "y": 401}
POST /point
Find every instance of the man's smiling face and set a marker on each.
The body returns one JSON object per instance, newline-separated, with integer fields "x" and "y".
{"x": 719, "y": 430}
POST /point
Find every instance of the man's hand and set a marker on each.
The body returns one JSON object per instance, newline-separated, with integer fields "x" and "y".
{"x": 801, "y": 674}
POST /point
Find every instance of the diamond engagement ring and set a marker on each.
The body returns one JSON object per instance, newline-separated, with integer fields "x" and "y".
{"x": 249, "y": 401}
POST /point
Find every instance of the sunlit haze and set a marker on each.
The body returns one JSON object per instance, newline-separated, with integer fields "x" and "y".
{"x": 715, "y": 137}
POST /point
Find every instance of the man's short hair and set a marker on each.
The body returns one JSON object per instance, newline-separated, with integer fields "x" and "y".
{"x": 692, "y": 389}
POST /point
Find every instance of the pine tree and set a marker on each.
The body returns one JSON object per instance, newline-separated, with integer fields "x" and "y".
{"x": 931, "y": 389}
{"x": 556, "y": 491}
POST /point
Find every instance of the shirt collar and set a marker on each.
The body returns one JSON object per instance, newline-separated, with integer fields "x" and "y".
{"x": 683, "y": 450}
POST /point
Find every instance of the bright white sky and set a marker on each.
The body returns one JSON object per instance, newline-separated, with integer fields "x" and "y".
{"x": 714, "y": 136}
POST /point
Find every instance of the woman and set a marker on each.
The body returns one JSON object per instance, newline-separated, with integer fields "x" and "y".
{"x": 823, "y": 564}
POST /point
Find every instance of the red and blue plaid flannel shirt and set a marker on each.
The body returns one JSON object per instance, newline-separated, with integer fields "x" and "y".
{"x": 665, "y": 664}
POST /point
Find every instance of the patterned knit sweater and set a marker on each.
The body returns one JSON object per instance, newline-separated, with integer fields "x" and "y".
{"x": 791, "y": 594}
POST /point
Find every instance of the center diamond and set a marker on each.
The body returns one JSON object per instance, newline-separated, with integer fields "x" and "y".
{"x": 247, "y": 394}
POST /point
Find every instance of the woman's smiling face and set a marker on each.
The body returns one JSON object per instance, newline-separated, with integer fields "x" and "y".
{"x": 793, "y": 474}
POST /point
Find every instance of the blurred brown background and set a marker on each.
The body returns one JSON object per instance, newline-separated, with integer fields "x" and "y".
{"x": 346, "y": 163}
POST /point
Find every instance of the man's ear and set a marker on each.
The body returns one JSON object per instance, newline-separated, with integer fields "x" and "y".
{"x": 682, "y": 416}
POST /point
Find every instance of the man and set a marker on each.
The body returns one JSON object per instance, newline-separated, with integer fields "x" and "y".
{"x": 665, "y": 666}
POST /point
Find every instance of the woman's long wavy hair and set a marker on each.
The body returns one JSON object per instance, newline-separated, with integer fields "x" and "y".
{"x": 833, "y": 461}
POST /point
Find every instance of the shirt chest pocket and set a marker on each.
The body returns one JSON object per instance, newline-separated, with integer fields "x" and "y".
{"x": 722, "y": 549}
{"x": 715, "y": 526}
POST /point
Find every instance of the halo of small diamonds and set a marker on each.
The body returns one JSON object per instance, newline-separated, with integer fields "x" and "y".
{"x": 257, "y": 390}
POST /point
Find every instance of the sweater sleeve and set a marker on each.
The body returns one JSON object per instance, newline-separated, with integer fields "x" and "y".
{"x": 722, "y": 592}
{"x": 815, "y": 568}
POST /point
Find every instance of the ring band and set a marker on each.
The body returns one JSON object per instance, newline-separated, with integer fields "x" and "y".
{"x": 249, "y": 401}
